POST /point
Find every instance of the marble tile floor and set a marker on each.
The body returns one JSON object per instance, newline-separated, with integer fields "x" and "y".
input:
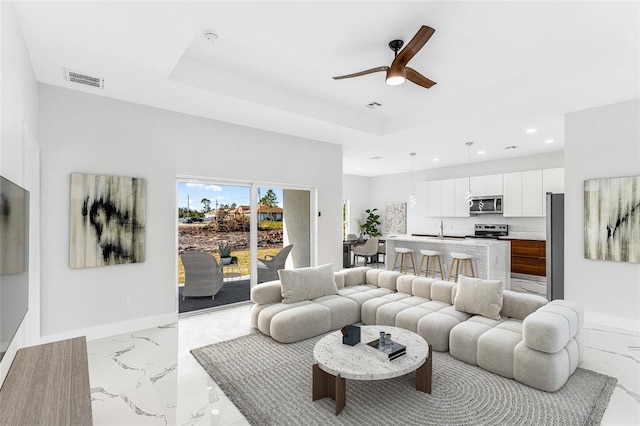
{"x": 150, "y": 378}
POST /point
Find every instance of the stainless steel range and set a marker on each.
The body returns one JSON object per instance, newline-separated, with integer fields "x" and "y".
{"x": 486, "y": 230}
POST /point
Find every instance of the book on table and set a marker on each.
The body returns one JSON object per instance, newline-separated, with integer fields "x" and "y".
{"x": 390, "y": 352}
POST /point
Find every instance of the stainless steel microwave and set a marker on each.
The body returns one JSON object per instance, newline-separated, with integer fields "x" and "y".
{"x": 491, "y": 204}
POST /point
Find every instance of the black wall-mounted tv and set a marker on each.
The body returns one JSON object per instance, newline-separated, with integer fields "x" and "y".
{"x": 14, "y": 260}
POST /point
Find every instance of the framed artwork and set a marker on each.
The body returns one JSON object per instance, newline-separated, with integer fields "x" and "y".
{"x": 107, "y": 220}
{"x": 612, "y": 219}
{"x": 395, "y": 218}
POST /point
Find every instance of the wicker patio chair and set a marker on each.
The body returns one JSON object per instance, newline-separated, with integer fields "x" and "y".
{"x": 202, "y": 274}
{"x": 268, "y": 267}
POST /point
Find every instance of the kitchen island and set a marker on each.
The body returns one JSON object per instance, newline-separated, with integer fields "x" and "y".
{"x": 492, "y": 258}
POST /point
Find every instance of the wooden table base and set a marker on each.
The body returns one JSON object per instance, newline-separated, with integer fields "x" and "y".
{"x": 325, "y": 384}
{"x": 335, "y": 387}
{"x": 424, "y": 373}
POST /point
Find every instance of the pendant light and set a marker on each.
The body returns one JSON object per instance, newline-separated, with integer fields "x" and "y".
{"x": 412, "y": 198}
{"x": 468, "y": 198}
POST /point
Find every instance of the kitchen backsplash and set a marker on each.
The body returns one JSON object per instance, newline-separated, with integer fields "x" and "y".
{"x": 529, "y": 227}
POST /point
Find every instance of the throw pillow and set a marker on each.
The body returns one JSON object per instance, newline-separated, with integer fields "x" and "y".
{"x": 307, "y": 283}
{"x": 478, "y": 296}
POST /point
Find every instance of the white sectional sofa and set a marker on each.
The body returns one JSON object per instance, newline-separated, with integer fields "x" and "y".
{"x": 515, "y": 335}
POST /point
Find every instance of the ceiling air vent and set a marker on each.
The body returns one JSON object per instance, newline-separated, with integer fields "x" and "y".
{"x": 83, "y": 78}
{"x": 374, "y": 105}
{"x": 510, "y": 147}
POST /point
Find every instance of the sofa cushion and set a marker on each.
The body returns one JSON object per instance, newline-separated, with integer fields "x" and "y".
{"x": 478, "y": 296}
{"x": 343, "y": 311}
{"x": 270, "y": 311}
{"x": 496, "y": 347}
{"x": 307, "y": 283}
{"x": 421, "y": 287}
{"x": 300, "y": 322}
{"x": 352, "y": 276}
{"x": 266, "y": 293}
{"x": 463, "y": 339}
{"x": 520, "y": 305}
{"x": 546, "y": 331}
{"x": 442, "y": 291}
{"x": 546, "y": 371}
{"x": 387, "y": 279}
{"x": 404, "y": 284}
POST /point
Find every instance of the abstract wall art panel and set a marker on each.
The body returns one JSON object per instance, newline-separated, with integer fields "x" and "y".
{"x": 107, "y": 220}
{"x": 395, "y": 218}
{"x": 612, "y": 219}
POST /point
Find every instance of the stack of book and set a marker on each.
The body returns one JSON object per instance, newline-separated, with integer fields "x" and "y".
{"x": 390, "y": 352}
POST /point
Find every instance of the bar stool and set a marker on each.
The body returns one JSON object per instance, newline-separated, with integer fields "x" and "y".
{"x": 466, "y": 259}
{"x": 403, "y": 253}
{"x": 431, "y": 255}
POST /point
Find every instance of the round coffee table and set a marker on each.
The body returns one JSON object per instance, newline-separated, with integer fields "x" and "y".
{"x": 337, "y": 362}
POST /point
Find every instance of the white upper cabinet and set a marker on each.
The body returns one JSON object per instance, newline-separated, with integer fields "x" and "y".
{"x": 486, "y": 185}
{"x": 532, "y": 193}
{"x": 460, "y": 208}
{"x": 422, "y": 198}
{"x": 552, "y": 181}
{"x": 523, "y": 193}
{"x": 512, "y": 197}
{"x": 448, "y": 198}
{"x": 434, "y": 207}
{"x": 493, "y": 185}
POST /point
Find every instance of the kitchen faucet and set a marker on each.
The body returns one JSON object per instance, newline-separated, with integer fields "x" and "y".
{"x": 441, "y": 233}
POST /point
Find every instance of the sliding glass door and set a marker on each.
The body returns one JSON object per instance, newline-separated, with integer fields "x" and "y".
{"x": 250, "y": 230}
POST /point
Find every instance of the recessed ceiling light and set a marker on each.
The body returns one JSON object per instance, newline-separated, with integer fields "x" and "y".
{"x": 482, "y": 152}
{"x": 531, "y": 130}
{"x": 549, "y": 141}
{"x": 377, "y": 157}
{"x": 436, "y": 159}
{"x": 359, "y": 168}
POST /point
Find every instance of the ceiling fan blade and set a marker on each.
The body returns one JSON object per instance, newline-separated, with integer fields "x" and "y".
{"x": 358, "y": 74}
{"x": 419, "y": 79}
{"x": 417, "y": 42}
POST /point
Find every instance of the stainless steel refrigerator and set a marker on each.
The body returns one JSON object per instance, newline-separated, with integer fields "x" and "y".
{"x": 555, "y": 246}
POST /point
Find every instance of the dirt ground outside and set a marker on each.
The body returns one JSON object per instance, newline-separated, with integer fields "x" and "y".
{"x": 199, "y": 237}
{"x": 202, "y": 238}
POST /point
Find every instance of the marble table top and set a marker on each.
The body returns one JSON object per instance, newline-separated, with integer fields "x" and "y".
{"x": 360, "y": 362}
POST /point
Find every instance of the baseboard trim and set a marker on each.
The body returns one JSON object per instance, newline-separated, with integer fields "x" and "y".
{"x": 611, "y": 321}
{"x": 106, "y": 330}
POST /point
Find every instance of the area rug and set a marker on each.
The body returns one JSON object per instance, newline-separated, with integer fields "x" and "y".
{"x": 270, "y": 383}
{"x": 232, "y": 292}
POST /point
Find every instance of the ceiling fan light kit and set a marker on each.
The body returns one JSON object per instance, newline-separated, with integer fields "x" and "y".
{"x": 399, "y": 72}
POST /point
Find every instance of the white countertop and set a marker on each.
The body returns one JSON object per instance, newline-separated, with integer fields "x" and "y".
{"x": 525, "y": 236}
{"x": 436, "y": 240}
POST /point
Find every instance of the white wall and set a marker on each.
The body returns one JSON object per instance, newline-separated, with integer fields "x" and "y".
{"x": 84, "y": 133}
{"x": 356, "y": 189}
{"x": 397, "y": 188}
{"x": 19, "y": 111}
{"x": 600, "y": 143}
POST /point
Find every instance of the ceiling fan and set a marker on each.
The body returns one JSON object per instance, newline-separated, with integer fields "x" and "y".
{"x": 398, "y": 72}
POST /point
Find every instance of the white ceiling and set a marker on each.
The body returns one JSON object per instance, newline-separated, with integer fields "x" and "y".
{"x": 500, "y": 67}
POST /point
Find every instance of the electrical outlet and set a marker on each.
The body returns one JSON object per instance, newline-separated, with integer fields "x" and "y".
{"x": 125, "y": 301}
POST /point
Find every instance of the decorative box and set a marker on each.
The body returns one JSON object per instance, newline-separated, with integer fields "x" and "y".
{"x": 351, "y": 335}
